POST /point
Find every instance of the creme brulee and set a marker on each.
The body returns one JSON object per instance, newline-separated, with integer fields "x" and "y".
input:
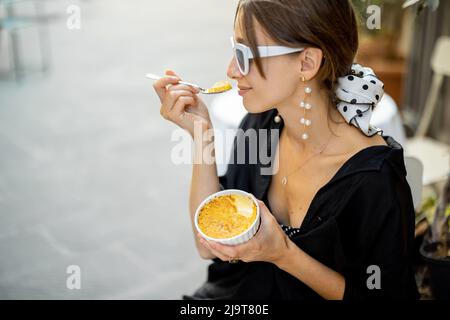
{"x": 220, "y": 87}
{"x": 227, "y": 216}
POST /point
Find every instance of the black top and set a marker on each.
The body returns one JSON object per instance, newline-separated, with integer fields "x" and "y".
{"x": 363, "y": 216}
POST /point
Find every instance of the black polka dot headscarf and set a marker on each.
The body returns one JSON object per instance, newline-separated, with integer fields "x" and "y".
{"x": 358, "y": 94}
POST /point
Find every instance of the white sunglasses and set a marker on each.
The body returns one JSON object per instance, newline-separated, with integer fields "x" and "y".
{"x": 243, "y": 54}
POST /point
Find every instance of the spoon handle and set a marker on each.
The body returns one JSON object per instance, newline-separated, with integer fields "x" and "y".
{"x": 155, "y": 77}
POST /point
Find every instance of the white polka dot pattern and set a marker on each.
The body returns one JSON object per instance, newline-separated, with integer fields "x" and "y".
{"x": 358, "y": 94}
{"x": 290, "y": 231}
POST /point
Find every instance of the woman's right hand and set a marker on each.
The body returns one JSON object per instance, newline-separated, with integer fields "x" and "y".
{"x": 180, "y": 103}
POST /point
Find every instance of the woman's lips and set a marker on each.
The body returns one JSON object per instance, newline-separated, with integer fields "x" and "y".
{"x": 241, "y": 92}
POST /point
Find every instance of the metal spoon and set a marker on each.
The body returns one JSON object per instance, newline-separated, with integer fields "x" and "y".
{"x": 202, "y": 90}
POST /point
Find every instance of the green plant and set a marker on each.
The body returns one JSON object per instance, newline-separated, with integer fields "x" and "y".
{"x": 447, "y": 216}
{"x": 427, "y": 209}
{"x": 441, "y": 222}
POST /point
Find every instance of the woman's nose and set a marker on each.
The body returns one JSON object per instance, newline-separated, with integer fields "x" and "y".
{"x": 233, "y": 70}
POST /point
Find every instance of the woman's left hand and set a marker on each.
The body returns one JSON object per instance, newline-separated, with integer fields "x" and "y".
{"x": 269, "y": 244}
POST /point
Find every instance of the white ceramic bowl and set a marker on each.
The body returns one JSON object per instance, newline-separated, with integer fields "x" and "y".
{"x": 240, "y": 238}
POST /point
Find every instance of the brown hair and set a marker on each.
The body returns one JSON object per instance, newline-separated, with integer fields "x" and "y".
{"x": 330, "y": 25}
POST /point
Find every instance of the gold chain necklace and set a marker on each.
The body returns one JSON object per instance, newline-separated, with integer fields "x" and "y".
{"x": 284, "y": 181}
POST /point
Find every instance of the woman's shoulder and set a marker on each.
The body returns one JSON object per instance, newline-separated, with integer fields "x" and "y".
{"x": 357, "y": 141}
{"x": 374, "y": 161}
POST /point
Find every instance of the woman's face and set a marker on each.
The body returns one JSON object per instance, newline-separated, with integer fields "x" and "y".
{"x": 282, "y": 76}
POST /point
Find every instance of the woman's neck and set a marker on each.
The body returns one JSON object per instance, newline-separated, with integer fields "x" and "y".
{"x": 319, "y": 131}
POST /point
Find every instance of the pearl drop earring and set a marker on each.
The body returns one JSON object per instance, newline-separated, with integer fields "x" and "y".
{"x": 305, "y": 106}
{"x": 277, "y": 118}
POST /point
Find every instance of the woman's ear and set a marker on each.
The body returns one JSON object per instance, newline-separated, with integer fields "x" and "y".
{"x": 310, "y": 62}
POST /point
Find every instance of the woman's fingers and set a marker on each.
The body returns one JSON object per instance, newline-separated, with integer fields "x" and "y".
{"x": 228, "y": 251}
{"x": 170, "y": 72}
{"x": 183, "y": 87}
{"x": 263, "y": 208}
{"x": 267, "y": 220}
{"x": 262, "y": 205}
{"x": 179, "y": 107}
{"x": 171, "y": 99}
{"x": 180, "y": 103}
{"x": 223, "y": 252}
{"x": 161, "y": 84}
{"x": 214, "y": 251}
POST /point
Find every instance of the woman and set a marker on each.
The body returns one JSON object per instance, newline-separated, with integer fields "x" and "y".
{"x": 337, "y": 213}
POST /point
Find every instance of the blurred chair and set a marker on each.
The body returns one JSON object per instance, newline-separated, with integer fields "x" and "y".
{"x": 386, "y": 116}
{"x": 414, "y": 176}
{"x": 434, "y": 154}
{"x": 12, "y": 23}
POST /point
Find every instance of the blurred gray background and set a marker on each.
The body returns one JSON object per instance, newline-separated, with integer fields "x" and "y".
{"x": 86, "y": 176}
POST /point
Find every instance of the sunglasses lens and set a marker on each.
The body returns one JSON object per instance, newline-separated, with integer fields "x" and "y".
{"x": 241, "y": 60}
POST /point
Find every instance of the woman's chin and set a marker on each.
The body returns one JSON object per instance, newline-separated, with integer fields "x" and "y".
{"x": 255, "y": 108}
{"x": 250, "y": 108}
